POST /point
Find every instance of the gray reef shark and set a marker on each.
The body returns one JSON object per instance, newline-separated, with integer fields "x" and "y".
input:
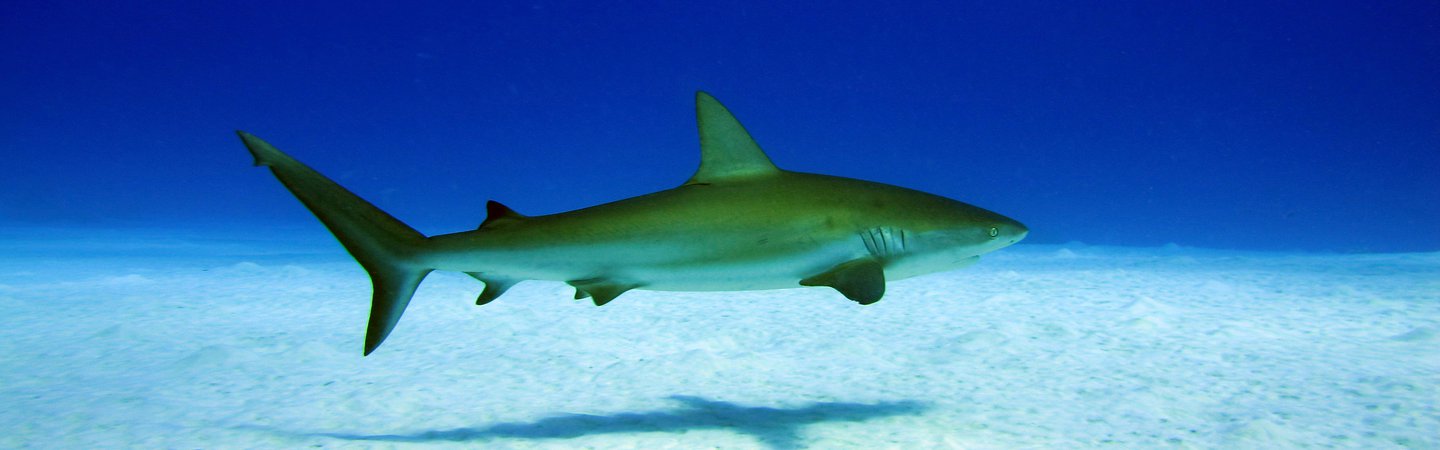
{"x": 739, "y": 223}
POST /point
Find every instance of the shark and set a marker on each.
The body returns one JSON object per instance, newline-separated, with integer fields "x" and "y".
{"x": 738, "y": 223}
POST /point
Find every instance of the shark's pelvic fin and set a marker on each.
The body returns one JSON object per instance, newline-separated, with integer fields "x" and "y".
{"x": 861, "y": 280}
{"x": 600, "y": 290}
{"x": 498, "y": 215}
{"x": 726, "y": 150}
{"x": 384, "y": 246}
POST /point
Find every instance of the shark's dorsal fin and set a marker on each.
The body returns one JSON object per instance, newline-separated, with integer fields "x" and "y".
{"x": 727, "y": 152}
{"x": 498, "y": 215}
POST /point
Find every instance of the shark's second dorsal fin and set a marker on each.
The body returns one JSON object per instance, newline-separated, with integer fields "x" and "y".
{"x": 727, "y": 151}
{"x": 497, "y": 215}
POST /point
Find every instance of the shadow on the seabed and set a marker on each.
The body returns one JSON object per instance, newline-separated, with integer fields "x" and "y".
{"x": 777, "y": 428}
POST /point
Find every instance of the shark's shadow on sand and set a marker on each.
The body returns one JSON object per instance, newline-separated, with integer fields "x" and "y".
{"x": 778, "y": 428}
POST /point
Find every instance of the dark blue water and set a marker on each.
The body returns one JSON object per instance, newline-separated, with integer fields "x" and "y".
{"x": 1251, "y": 125}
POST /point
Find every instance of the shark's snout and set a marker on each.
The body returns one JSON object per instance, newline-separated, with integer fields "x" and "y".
{"x": 1013, "y": 231}
{"x": 1020, "y": 232}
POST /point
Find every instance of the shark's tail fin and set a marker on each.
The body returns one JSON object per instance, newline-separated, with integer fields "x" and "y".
{"x": 385, "y": 247}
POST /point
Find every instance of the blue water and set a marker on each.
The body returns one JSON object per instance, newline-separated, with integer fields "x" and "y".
{"x": 1225, "y": 125}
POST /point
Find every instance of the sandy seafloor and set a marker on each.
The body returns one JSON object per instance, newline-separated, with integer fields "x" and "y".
{"x": 162, "y": 339}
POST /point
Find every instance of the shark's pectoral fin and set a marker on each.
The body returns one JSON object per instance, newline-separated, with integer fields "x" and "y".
{"x": 601, "y": 290}
{"x": 861, "y": 280}
{"x": 494, "y": 287}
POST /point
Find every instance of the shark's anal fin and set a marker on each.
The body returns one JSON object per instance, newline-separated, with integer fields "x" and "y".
{"x": 601, "y": 290}
{"x": 494, "y": 287}
{"x": 498, "y": 215}
{"x": 861, "y": 280}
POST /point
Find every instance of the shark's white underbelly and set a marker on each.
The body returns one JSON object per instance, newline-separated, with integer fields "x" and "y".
{"x": 663, "y": 265}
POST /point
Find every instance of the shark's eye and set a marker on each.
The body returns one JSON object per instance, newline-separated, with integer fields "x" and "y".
{"x": 994, "y": 232}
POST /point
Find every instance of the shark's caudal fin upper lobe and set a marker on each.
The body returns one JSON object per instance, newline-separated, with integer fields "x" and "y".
{"x": 384, "y": 246}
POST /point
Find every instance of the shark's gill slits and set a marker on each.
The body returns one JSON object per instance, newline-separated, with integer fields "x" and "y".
{"x": 884, "y": 242}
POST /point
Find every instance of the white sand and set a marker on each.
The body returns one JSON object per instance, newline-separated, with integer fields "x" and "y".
{"x": 148, "y": 340}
